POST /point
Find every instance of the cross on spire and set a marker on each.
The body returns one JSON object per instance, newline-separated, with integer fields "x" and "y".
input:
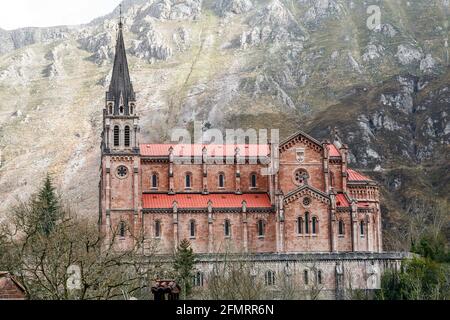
{"x": 120, "y": 16}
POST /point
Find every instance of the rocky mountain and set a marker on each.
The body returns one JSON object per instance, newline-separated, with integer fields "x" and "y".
{"x": 318, "y": 65}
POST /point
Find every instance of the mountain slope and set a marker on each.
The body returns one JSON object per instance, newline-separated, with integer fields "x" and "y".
{"x": 309, "y": 64}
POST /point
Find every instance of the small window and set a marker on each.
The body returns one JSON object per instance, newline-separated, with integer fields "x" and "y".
{"x": 315, "y": 225}
{"x": 307, "y": 223}
{"x": 306, "y": 277}
{"x": 300, "y": 223}
{"x": 192, "y": 229}
{"x": 221, "y": 180}
{"x": 198, "y": 279}
{"x": 253, "y": 180}
{"x": 301, "y": 177}
{"x": 122, "y": 229}
{"x": 319, "y": 277}
{"x": 127, "y": 136}
{"x": 132, "y": 109}
{"x": 270, "y": 278}
{"x": 188, "y": 181}
{"x": 341, "y": 228}
{"x": 227, "y": 227}
{"x": 116, "y": 136}
{"x": 157, "y": 229}
{"x": 261, "y": 230}
{"x": 332, "y": 179}
{"x": 154, "y": 181}
{"x": 110, "y": 108}
{"x": 121, "y": 109}
{"x": 362, "y": 227}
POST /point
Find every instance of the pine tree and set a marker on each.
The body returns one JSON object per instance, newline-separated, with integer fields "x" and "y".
{"x": 46, "y": 206}
{"x": 184, "y": 266}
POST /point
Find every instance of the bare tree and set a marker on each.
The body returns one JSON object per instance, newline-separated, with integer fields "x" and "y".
{"x": 74, "y": 261}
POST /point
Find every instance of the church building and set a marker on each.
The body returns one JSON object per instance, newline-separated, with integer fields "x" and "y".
{"x": 314, "y": 203}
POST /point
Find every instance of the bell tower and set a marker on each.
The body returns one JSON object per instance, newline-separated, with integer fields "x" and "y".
{"x": 120, "y": 118}
{"x": 120, "y": 192}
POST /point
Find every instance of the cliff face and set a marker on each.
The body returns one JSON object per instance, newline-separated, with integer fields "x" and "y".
{"x": 309, "y": 64}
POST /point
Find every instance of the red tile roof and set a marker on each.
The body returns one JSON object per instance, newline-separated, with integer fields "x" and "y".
{"x": 356, "y": 176}
{"x": 197, "y": 201}
{"x": 333, "y": 151}
{"x": 341, "y": 200}
{"x": 183, "y": 150}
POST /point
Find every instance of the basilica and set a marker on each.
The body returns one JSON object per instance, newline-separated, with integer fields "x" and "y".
{"x": 313, "y": 204}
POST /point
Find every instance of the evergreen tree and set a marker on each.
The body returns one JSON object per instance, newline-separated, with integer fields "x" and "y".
{"x": 46, "y": 206}
{"x": 184, "y": 266}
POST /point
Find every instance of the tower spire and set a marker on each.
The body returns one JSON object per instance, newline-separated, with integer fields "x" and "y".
{"x": 120, "y": 16}
{"x": 121, "y": 91}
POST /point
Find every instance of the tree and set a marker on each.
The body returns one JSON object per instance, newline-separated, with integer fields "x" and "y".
{"x": 46, "y": 206}
{"x": 418, "y": 279}
{"x": 71, "y": 259}
{"x": 184, "y": 266}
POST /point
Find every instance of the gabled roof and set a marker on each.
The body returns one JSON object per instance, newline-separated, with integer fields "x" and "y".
{"x": 357, "y": 177}
{"x": 196, "y": 150}
{"x": 333, "y": 151}
{"x": 200, "y": 201}
{"x": 309, "y": 188}
{"x": 303, "y": 134}
{"x": 342, "y": 201}
{"x": 120, "y": 89}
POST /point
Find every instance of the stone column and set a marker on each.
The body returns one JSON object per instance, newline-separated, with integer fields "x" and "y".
{"x": 238, "y": 171}
{"x": 379, "y": 229}
{"x": 370, "y": 233}
{"x": 354, "y": 220}
{"x": 171, "y": 182}
{"x": 333, "y": 232}
{"x": 136, "y": 199}
{"x": 344, "y": 153}
{"x": 280, "y": 223}
{"x": 210, "y": 227}
{"x": 205, "y": 170}
{"x": 176, "y": 237}
{"x": 245, "y": 225}
{"x": 326, "y": 169}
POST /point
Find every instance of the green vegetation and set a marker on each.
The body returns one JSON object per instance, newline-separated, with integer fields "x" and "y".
{"x": 184, "y": 267}
{"x": 59, "y": 256}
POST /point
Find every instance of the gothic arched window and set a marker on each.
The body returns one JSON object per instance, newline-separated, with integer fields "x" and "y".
{"x": 362, "y": 228}
{"x": 341, "y": 228}
{"x": 127, "y": 136}
{"x": 110, "y": 107}
{"x": 261, "y": 230}
{"x": 306, "y": 277}
{"x": 157, "y": 229}
{"x": 198, "y": 279}
{"x": 122, "y": 229}
{"x": 270, "y": 278}
{"x": 319, "y": 277}
{"x": 253, "y": 181}
{"x": 116, "y": 136}
{"x": 307, "y": 223}
{"x": 192, "y": 229}
{"x": 188, "y": 180}
{"x": 154, "y": 181}
{"x": 315, "y": 225}
{"x": 300, "y": 225}
{"x": 221, "y": 180}
{"x": 227, "y": 228}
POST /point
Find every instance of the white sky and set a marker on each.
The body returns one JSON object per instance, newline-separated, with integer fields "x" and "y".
{"x": 45, "y": 13}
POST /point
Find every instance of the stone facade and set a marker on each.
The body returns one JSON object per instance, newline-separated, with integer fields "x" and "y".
{"x": 166, "y": 193}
